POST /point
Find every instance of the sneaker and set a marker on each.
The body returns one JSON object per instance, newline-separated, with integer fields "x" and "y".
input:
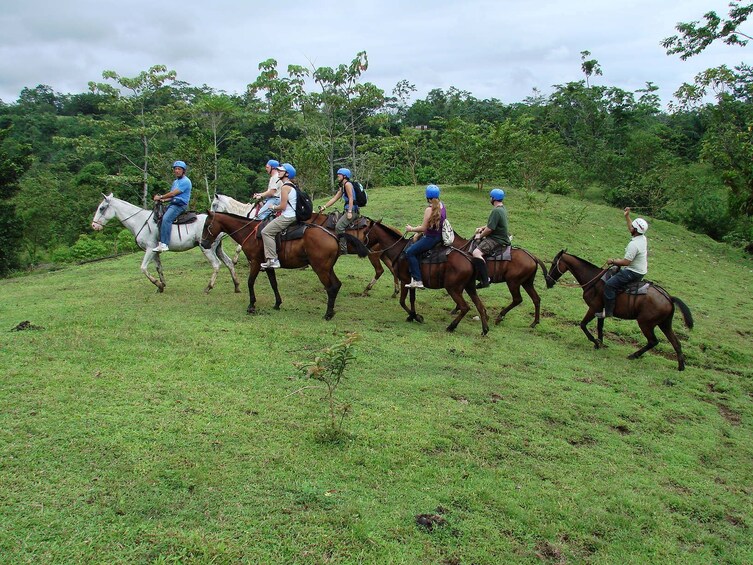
{"x": 160, "y": 248}
{"x": 270, "y": 264}
{"x": 415, "y": 284}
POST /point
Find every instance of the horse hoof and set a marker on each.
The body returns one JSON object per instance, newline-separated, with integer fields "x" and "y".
{"x": 451, "y": 328}
{"x": 632, "y": 356}
{"x": 251, "y": 311}
{"x": 237, "y": 290}
{"x": 276, "y": 306}
{"x": 207, "y": 289}
{"x": 498, "y": 320}
{"x": 533, "y": 325}
{"x": 329, "y": 315}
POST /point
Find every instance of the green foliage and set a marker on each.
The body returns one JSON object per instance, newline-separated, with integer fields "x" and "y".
{"x": 328, "y": 368}
{"x": 91, "y": 247}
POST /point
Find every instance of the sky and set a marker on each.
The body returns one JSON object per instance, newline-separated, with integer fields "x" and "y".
{"x": 499, "y": 49}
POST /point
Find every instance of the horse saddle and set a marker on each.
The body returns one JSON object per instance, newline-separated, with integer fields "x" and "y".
{"x": 637, "y": 287}
{"x": 435, "y": 255}
{"x": 187, "y": 217}
{"x": 359, "y": 224}
{"x": 502, "y": 254}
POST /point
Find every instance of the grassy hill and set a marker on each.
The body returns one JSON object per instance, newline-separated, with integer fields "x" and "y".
{"x": 138, "y": 426}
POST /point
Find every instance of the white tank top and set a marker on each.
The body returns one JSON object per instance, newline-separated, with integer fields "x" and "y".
{"x": 289, "y": 211}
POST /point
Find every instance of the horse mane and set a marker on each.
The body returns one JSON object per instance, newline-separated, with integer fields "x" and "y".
{"x": 236, "y": 207}
{"x": 582, "y": 260}
{"x": 236, "y": 216}
{"x": 391, "y": 230}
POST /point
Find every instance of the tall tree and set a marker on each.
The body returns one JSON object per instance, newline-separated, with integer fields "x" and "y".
{"x": 139, "y": 113}
{"x": 15, "y": 159}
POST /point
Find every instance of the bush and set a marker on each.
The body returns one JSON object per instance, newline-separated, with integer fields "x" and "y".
{"x": 87, "y": 248}
{"x": 125, "y": 241}
{"x": 61, "y": 254}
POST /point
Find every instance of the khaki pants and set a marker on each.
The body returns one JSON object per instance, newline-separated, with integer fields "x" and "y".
{"x": 343, "y": 223}
{"x": 268, "y": 234}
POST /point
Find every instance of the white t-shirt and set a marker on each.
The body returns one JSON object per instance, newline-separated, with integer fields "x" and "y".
{"x": 637, "y": 253}
{"x": 274, "y": 184}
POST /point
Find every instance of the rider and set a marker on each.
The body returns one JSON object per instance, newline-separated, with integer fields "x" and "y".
{"x": 492, "y": 237}
{"x": 434, "y": 216}
{"x": 635, "y": 264}
{"x": 272, "y": 194}
{"x": 287, "y": 218}
{"x": 350, "y": 211}
{"x": 179, "y": 195}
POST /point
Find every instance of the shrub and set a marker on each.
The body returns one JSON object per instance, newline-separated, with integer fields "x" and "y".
{"x": 87, "y": 248}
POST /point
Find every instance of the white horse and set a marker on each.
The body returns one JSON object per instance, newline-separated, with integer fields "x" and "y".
{"x": 142, "y": 225}
{"x": 223, "y": 203}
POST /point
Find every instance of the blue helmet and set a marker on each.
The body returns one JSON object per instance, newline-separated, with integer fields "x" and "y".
{"x": 497, "y": 194}
{"x": 288, "y": 168}
{"x": 180, "y": 164}
{"x": 273, "y": 163}
{"x": 432, "y": 191}
{"x": 344, "y": 172}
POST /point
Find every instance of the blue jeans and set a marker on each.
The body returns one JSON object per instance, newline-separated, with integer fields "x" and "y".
{"x": 414, "y": 250}
{"x": 619, "y": 281}
{"x": 264, "y": 211}
{"x": 172, "y": 212}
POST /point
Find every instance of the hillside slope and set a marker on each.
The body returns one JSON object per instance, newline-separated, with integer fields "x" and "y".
{"x": 141, "y": 426}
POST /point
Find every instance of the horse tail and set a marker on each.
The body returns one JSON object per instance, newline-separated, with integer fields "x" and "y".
{"x": 686, "y": 315}
{"x": 357, "y": 244}
{"x": 542, "y": 265}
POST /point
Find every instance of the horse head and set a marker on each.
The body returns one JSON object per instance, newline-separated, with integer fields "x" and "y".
{"x": 104, "y": 213}
{"x": 218, "y": 203}
{"x": 556, "y": 270}
{"x": 207, "y": 235}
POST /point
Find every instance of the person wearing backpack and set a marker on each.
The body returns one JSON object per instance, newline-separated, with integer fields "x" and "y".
{"x": 434, "y": 216}
{"x": 286, "y": 207}
{"x": 347, "y": 192}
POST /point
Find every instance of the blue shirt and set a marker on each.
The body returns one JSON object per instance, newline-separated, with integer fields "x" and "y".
{"x": 184, "y": 185}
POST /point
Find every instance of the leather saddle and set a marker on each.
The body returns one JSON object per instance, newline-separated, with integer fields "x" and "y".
{"x": 504, "y": 254}
{"x": 636, "y": 288}
{"x": 187, "y": 217}
{"x": 359, "y": 224}
{"x": 295, "y": 231}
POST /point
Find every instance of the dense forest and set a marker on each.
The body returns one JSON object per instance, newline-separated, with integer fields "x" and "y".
{"x": 689, "y": 162}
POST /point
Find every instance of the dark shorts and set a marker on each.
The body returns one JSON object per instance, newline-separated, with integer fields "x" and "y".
{"x": 488, "y": 246}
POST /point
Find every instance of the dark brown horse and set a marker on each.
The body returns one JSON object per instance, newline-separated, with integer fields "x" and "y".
{"x": 656, "y": 308}
{"x": 520, "y": 271}
{"x": 359, "y": 231}
{"x": 318, "y": 247}
{"x": 456, "y": 275}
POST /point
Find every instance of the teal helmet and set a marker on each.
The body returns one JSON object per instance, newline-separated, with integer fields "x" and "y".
{"x": 180, "y": 164}
{"x": 497, "y": 194}
{"x": 432, "y": 191}
{"x": 288, "y": 168}
{"x": 344, "y": 172}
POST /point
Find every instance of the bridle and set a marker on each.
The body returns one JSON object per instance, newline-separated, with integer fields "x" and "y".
{"x": 573, "y": 285}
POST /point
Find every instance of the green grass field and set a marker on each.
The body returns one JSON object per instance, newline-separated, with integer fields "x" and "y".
{"x": 146, "y": 427}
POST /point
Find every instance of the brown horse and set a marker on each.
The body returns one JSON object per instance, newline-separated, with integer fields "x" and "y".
{"x": 520, "y": 271}
{"x": 359, "y": 232}
{"x": 318, "y": 247}
{"x": 456, "y": 275}
{"x": 656, "y": 308}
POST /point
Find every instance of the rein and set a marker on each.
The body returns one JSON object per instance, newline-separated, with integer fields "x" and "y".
{"x": 576, "y": 285}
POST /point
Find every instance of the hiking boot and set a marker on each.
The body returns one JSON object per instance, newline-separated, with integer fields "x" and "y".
{"x": 270, "y": 264}
{"x": 343, "y": 246}
{"x": 160, "y": 248}
{"x": 415, "y": 284}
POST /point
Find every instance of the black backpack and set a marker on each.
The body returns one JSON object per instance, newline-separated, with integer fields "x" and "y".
{"x": 360, "y": 194}
{"x": 304, "y": 207}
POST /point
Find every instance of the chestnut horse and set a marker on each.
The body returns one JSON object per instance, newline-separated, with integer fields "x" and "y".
{"x": 456, "y": 275}
{"x": 656, "y": 308}
{"x": 520, "y": 271}
{"x": 224, "y": 203}
{"x": 318, "y": 247}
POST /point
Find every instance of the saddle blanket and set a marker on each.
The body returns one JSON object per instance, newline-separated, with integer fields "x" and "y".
{"x": 636, "y": 288}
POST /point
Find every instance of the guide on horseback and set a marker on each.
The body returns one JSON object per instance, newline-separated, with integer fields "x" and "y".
{"x": 272, "y": 194}
{"x": 351, "y": 211}
{"x": 287, "y": 217}
{"x": 179, "y": 196}
{"x": 493, "y": 237}
{"x": 434, "y": 216}
{"x": 634, "y": 265}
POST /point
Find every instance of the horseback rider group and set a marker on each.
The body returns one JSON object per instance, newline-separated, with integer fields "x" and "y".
{"x": 488, "y": 240}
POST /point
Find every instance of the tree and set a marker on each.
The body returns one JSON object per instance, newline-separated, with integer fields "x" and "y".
{"x": 589, "y": 67}
{"x": 136, "y": 119}
{"x": 15, "y": 159}
{"x": 693, "y": 38}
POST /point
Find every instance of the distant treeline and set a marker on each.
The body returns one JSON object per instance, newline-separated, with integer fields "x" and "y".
{"x": 692, "y": 164}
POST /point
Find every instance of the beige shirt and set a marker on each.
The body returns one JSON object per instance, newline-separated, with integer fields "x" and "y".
{"x": 637, "y": 253}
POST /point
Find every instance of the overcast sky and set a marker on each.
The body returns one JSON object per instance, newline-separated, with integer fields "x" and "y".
{"x": 494, "y": 49}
